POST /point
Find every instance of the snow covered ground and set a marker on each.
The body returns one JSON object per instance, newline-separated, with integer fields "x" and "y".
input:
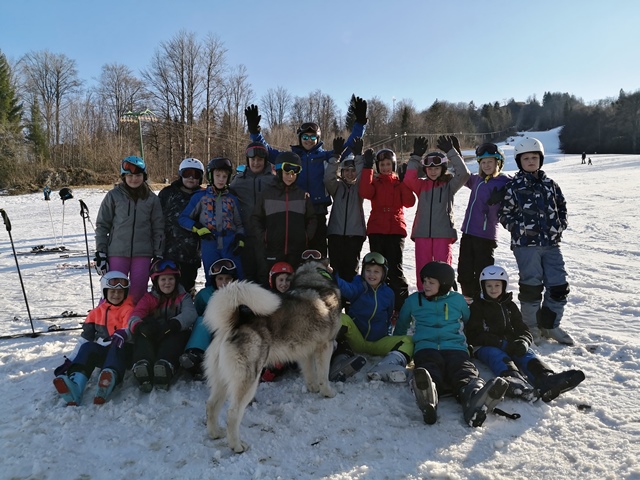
{"x": 370, "y": 430}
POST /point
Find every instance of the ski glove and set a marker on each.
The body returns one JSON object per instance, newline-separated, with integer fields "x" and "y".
{"x": 119, "y": 337}
{"x": 238, "y": 244}
{"x": 368, "y": 158}
{"x": 420, "y": 145}
{"x": 203, "y": 232}
{"x": 496, "y": 196}
{"x": 338, "y": 147}
{"x": 444, "y": 143}
{"x": 360, "y": 110}
{"x": 517, "y": 348}
{"x": 101, "y": 263}
{"x": 357, "y": 146}
{"x": 144, "y": 329}
{"x": 253, "y": 118}
{"x": 173, "y": 326}
{"x": 456, "y": 144}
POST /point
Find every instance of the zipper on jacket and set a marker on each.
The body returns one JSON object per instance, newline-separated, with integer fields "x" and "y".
{"x": 286, "y": 220}
{"x": 375, "y": 309}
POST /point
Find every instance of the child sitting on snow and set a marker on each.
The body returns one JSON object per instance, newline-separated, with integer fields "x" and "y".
{"x": 501, "y": 340}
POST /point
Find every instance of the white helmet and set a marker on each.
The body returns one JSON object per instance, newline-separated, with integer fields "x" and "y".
{"x": 114, "y": 280}
{"x": 526, "y": 145}
{"x": 494, "y": 272}
{"x": 191, "y": 163}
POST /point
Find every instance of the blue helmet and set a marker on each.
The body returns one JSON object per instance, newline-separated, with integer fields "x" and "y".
{"x": 133, "y": 165}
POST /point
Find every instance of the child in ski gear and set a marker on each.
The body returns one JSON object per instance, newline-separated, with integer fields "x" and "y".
{"x": 284, "y": 217}
{"x": 346, "y": 230}
{"x": 386, "y": 227}
{"x": 180, "y": 245}
{"x": 130, "y": 227}
{"x": 480, "y": 226}
{"x": 433, "y": 227}
{"x": 502, "y": 340}
{"x": 313, "y": 160}
{"x": 161, "y": 325}
{"x": 366, "y": 328}
{"x": 214, "y": 214}
{"x": 247, "y": 186}
{"x": 222, "y": 272}
{"x": 535, "y": 212}
{"x": 441, "y": 354}
{"x": 100, "y": 344}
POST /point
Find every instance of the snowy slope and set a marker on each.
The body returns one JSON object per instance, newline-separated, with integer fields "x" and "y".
{"x": 369, "y": 430}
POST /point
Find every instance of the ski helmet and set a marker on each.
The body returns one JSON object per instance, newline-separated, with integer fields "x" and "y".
{"x": 219, "y": 163}
{"x": 224, "y": 265}
{"x": 191, "y": 163}
{"x": 490, "y": 150}
{"x": 309, "y": 127}
{"x": 527, "y": 145}
{"x": 256, "y": 149}
{"x": 277, "y": 269}
{"x": 133, "y": 165}
{"x": 494, "y": 272}
{"x": 348, "y": 162}
{"x": 441, "y": 271}
{"x": 375, "y": 258}
{"x": 386, "y": 153}
{"x": 66, "y": 193}
{"x": 114, "y": 280}
{"x": 163, "y": 267}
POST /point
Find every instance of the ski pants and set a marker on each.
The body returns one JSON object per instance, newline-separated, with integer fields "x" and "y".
{"x": 211, "y": 253}
{"x": 432, "y": 250}
{"x": 344, "y": 253}
{"x": 200, "y": 336}
{"x": 391, "y": 247}
{"x": 160, "y": 347}
{"x": 500, "y": 362}
{"x": 138, "y": 270}
{"x": 94, "y": 355}
{"x": 476, "y": 253}
{"x": 253, "y": 263}
{"x": 451, "y": 370}
{"x": 319, "y": 239}
{"x": 380, "y": 347}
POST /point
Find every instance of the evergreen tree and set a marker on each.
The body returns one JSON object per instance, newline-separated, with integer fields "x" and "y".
{"x": 36, "y": 134}
{"x": 10, "y": 109}
{"x": 350, "y": 118}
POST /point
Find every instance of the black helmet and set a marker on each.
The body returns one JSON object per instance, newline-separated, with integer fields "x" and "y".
{"x": 219, "y": 163}
{"x": 386, "y": 153}
{"x": 256, "y": 149}
{"x": 441, "y": 271}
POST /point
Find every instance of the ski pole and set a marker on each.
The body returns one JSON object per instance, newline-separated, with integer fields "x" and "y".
{"x": 47, "y": 197}
{"x": 7, "y": 224}
{"x": 84, "y": 212}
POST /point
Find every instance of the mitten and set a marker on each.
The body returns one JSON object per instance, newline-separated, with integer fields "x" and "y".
{"x": 238, "y": 244}
{"x": 356, "y": 148}
{"x": 420, "y": 145}
{"x": 444, "y": 143}
{"x": 368, "y": 158}
{"x": 253, "y": 118}
{"x": 360, "y": 110}
{"x": 119, "y": 337}
{"x": 101, "y": 263}
{"x": 338, "y": 146}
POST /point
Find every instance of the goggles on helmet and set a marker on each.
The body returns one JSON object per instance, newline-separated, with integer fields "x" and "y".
{"x": 224, "y": 265}
{"x": 309, "y": 127}
{"x": 161, "y": 265}
{"x": 385, "y": 153}
{"x": 191, "y": 173}
{"x": 117, "y": 283}
{"x": 256, "y": 151}
{"x": 374, "y": 258}
{"x": 311, "y": 255}
{"x": 487, "y": 149}
{"x": 130, "y": 168}
{"x": 435, "y": 159}
{"x": 289, "y": 167}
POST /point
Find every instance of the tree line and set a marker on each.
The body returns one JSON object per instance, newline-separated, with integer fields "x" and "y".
{"x": 189, "y": 102}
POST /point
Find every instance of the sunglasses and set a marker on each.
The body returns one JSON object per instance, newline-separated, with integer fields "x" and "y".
{"x": 256, "y": 152}
{"x": 385, "y": 154}
{"x": 435, "y": 159}
{"x": 223, "y": 265}
{"x": 289, "y": 167}
{"x": 192, "y": 173}
{"x": 162, "y": 265}
{"x": 118, "y": 283}
{"x": 131, "y": 168}
{"x": 311, "y": 255}
{"x": 374, "y": 258}
{"x": 309, "y": 137}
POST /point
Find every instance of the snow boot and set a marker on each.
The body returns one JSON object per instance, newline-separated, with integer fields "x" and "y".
{"x": 424, "y": 390}
{"x": 557, "y": 334}
{"x": 391, "y": 368}
{"x": 553, "y": 384}
{"x": 519, "y": 387}
{"x": 162, "y": 374}
{"x": 142, "y": 372}
{"x": 479, "y": 398}
{"x": 106, "y": 383}
{"x": 191, "y": 360}
{"x": 70, "y": 387}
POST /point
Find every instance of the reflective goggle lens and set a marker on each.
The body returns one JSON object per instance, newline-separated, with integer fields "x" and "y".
{"x": 311, "y": 255}
{"x": 162, "y": 265}
{"x": 487, "y": 149}
{"x": 192, "y": 173}
{"x": 224, "y": 265}
{"x": 289, "y": 168}
{"x": 256, "y": 152}
{"x": 435, "y": 160}
{"x": 385, "y": 154}
{"x": 375, "y": 258}
{"x": 118, "y": 282}
{"x": 310, "y": 127}
{"x": 131, "y": 168}
{"x": 309, "y": 137}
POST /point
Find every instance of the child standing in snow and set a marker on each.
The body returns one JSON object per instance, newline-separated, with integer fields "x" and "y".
{"x": 441, "y": 353}
{"x": 480, "y": 225}
{"x": 214, "y": 214}
{"x": 160, "y": 325}
{"x": 501, "y": 340}
{"x": 433, "y": 227}
{"x": 366, "y": 328}
{"x": 100, "y": 344}
{"x": 130, "y": 227}
{"x": 535, "y": 212}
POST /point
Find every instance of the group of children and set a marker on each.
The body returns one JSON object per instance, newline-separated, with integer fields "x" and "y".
{"x": 261, "y": 226}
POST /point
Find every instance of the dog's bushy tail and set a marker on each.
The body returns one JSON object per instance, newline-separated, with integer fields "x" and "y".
{"x": 220, "y": 315}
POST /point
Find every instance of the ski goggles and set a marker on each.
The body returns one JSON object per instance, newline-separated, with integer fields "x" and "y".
{"x": 306, "y": 136}
{"x": 374, "y": 258}
{"x": 256, "y": 151}
{"x": 128, "y": 167}
{"x": 309, "y": 127}
{"x": 487, "y": 149}
{"x": 311, "y": 255}
{"x": 192, "y": 173}
{"x": 385, "y": 154}
{"x": 435, "y": 159}
{"x": 224, "y": 265}
{"x": 161, "y": 265}
{"x": 118, "y": 283}
{"x": 289, "y": 167}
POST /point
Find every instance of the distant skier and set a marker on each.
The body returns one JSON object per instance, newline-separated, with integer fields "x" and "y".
{"x": 584, "y": 156}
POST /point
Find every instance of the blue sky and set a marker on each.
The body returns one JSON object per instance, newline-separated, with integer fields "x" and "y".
{"x": 422, "y": 50}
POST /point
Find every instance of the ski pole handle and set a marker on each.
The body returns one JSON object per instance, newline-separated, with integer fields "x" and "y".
{"x": 6, "y": 220}
{"x": 84, "y": 210}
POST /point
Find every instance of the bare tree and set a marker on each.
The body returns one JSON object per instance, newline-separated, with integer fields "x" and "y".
{"x": 238, "y": 94}
{"x": 119, "y": 91}
{"x": 275, "y": 105}
{"x": 213, "y": 69}
{"x": 316, "y": 107}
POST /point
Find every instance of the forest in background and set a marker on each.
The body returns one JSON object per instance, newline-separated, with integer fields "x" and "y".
{"x": 189, "y": 102}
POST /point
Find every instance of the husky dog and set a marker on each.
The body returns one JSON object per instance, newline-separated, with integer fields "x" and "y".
{"x": 299, "y": 326}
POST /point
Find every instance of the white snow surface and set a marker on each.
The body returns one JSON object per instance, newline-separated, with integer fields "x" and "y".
{"x": 370, "y": 430}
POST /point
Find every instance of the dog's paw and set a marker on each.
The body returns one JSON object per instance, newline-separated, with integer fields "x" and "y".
{"x": 327, "y": 391}
{"x": 312, "y": 387}
{"x": 215, "y": 431}
{"x": 240, "y": 447}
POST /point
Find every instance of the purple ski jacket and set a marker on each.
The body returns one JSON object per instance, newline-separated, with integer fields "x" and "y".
{"x": 481, "y": 219}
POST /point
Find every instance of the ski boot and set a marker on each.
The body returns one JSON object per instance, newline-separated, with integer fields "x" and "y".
{"x": 479, "y": 398}
{"x": 557, "y": 334}
{"x": 106, "y": 383}
{"x": 553, "y": 384}
{"x": 142, "y": 372}
{"x": 162, "y": 374}
{"x": 70, "y": 387}
{"x": 390, "y": 369}
{"x": 344, "y": 366}
{"x": 191, "y": 360}
{"x": 519, "y": 387}
{"x": 424, "y": 390}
